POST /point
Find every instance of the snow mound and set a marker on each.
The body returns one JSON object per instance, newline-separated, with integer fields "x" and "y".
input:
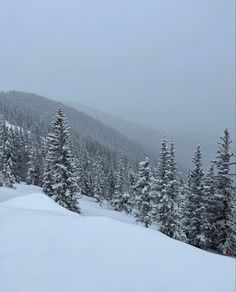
{"x": 20, "y": 190}
{"x": 44, "y": 249}
{"x": 35, "y": 202}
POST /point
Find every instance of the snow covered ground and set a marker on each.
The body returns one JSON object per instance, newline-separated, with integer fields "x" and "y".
{"x": 45, "y": 248}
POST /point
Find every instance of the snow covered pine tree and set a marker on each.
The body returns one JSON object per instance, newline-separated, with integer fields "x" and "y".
{"x": 7, "y": 176}
{"x": 224, "y": 237}
{"x": 142, "y": 193}
{"x": 121, "y": 200}
{"x": 171, "y": 223}
{"x": 194, "y": 206}
{"x": 60, "y": 176}
{"x": 209, "y": 210}
{"x": 158, "y": 181}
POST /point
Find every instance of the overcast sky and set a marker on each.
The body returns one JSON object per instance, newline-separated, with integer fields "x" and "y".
{"x": 167, "y": 64}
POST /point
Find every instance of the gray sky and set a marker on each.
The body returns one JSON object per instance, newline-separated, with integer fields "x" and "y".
{"x": 166, "y": 64}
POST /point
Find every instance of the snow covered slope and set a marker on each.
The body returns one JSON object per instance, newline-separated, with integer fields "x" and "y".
{"x": 45, "y": 248}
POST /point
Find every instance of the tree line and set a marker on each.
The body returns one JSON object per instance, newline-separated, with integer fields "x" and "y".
{"x": 200, "y": 210}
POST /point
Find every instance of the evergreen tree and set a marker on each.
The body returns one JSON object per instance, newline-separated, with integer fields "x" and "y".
{"x": 100, "y": 182}
{"x": 111, "y": 184}
{"x": 35, "y": 166}
{"x": 84, "y": 172}
{"x": 162, "y": 165}
{"x": 1, "y": 179}
{"x": 21, "y": 154}
{"x": 13, "y": 152}
{"x": 142, "y": 193}
{"x": 182, "y": 202}
{"x": 158, "y": 183}
{"x": 224, "y": 234}
{"x": 36, "y": 157}
{"x": 195, "y": 199}
{"x": 3, "y": 139}
{"x": 60, "y": 177}
{"x": 121, "y": 199}
{"x": 6, "y": 157}
{"x": 208, "y": 211}
{"x": 132, "y": 179}
{"x": 120, "y": 177}
{"x": 169, "y": 211}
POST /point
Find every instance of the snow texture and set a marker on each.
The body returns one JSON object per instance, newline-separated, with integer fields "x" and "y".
{"x": 45, "y": 248}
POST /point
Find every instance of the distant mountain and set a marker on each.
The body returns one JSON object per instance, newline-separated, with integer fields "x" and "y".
{"x": 149, "y": 138}
{"x": 26, "y": 110}
{"x": 186, "y": 143}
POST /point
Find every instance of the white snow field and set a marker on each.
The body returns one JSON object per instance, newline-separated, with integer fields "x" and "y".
{"x": 45, "y": 248}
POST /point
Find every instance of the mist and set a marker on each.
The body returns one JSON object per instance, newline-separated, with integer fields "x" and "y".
{"x": 168, "y": 65}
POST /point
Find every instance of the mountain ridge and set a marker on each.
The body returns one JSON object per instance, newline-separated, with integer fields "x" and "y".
{"x": 25, "y": 109}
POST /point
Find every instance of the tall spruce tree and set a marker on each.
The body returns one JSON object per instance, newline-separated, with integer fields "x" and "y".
{"x": 7, "y": 163}
{"x": 120, "y": 176}
{"x": 120, "y": 195}
{"x": 208, "y": 210}
{"x": 100, "y": 183}
{"x": 35, "y": 167}
{"x": 142, "y": 193}
{"x": 132, "y": 180}
{"x": 195, "y": 199}
{"x": 60, "y": 176}
{"x": 224, "y": 234}
{"x": 158, "y": 183}
{"x": 13, "y": 152}
{"x": 111, "y": 183}
{"x": 21, "y": 154}
{"x": 36, "y": 157}
{"x": 169, "y": 211}
{"x": 84, "y": 172}
{"x": 182, "y": 201}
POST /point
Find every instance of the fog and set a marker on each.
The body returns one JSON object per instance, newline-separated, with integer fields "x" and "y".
{"x": 165, "y": 64}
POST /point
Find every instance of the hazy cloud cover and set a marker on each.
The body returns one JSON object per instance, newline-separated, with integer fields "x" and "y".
{"x": 166, "y": 64}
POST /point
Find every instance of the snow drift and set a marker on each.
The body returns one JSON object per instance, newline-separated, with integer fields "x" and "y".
{"x": 45, "y": 248}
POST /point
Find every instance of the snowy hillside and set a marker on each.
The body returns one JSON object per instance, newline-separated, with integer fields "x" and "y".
{"x": 45, "y": 248}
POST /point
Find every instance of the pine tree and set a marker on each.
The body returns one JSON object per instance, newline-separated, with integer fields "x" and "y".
{"x": 182, "y": 202}
{"x": 111, "y": 184}
{"x": 36, "y": 155}
{"x": 35, "y": 165}
{"x": 158, "y": 181}
{"x": 208, "y": 211}
{"x": 224, "y": 234}
{"x": 132, "y": 180}
{"x": 120, "y": 176}
{"x": 120, "y": 197}
{"x": 8, "y": 177}
{"x": 60, "y": 176}
{"x": 142, "y": 193}
{"x": 84, "y": 172}
{"x": 3, "y": 139}
{"x": 1, "y": 179}
{"x": 169, "y": 211}
{"x": 100, "y": 182}
{"x": 21, "y": 154}
{"x": 195, "y": 199}
{"x": 48, "y": 176}
{"x": 14, "y": 153}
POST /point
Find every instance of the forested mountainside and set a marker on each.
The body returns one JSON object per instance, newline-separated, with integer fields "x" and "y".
{"x": 149, "y": 138}
{"x": 28, "y": 110}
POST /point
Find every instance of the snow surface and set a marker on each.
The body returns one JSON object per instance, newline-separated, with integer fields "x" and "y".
{"x": 45, "y": 248}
